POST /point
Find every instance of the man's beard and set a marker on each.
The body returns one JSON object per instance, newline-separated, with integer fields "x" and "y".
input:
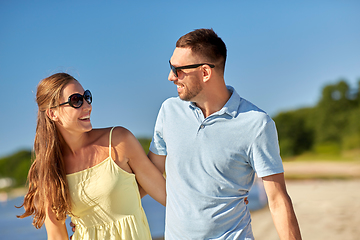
{"x": 188, "y": 94}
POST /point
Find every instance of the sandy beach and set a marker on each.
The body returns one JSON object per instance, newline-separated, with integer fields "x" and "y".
{"x": 326, "y": 209}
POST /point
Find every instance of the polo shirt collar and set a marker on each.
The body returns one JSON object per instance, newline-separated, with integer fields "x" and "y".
{"x": 231, "y": 106}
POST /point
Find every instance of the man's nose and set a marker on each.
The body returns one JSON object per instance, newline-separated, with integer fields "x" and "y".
{"x": 172, "y": 76}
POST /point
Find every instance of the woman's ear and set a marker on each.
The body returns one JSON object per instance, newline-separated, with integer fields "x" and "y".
{"x": 52, "y": 114}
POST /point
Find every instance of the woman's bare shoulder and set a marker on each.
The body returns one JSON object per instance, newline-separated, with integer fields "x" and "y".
{"x": 101, "y": 136}
{"x": 121, "y": 135}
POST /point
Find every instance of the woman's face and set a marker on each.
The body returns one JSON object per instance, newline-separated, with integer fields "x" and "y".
{"x": 70, "y": 118}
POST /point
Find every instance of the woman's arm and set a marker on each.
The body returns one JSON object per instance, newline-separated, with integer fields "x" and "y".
{"x": 56, "y": 230}
{"x": 147, "y": 175}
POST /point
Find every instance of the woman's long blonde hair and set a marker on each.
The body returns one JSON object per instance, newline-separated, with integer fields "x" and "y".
{"x": 47, "y": 176}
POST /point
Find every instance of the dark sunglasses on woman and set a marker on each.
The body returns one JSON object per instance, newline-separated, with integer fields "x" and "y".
{"x": 76, "y": 100}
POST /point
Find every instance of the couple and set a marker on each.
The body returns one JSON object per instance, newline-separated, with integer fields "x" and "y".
{"x": 213, "y": 142}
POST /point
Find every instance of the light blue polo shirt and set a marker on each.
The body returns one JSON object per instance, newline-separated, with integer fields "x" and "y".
{"x": 211, "y": 164}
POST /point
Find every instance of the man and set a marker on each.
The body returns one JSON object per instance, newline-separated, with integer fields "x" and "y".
{"x": 214, "y": 142}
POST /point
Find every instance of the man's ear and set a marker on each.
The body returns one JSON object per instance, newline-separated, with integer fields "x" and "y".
{"x": 52, "y": 114}
{"x": 207, "y": 72}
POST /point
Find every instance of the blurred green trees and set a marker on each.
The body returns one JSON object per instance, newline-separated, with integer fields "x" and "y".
{"x": 16, "y": 167}
{"x": 331, "y": 127}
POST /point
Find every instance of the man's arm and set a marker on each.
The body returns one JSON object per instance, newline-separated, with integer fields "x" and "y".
{"x": 158, "y": 161}
{"x": 281, "y": 207}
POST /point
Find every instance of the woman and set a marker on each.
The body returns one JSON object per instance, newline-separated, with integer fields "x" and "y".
{"x": 90, "y": 174}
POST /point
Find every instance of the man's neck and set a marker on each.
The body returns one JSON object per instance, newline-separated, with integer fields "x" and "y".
{"x": 214, "y": 101}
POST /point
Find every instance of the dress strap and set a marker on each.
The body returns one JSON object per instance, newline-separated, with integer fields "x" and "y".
{"x": 110, "y": 141}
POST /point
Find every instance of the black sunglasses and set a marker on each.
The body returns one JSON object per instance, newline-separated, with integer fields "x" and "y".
{"x": 174, "y": 69}
{"x": 76, "y": 100}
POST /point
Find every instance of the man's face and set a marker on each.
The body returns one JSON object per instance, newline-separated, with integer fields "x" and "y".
{"x": 189, "y": 81}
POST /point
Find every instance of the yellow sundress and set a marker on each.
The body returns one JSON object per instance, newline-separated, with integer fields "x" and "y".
{"x": 106, "y": 203}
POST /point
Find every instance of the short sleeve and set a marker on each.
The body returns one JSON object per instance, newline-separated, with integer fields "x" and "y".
{"x": 265, "y": 153}
{"x": 158, "y": 145}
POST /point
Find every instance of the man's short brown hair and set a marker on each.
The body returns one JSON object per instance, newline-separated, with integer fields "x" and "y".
{"x": 207, "y": 44}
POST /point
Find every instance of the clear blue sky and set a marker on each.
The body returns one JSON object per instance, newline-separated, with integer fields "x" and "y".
{"x": 280, "y": 54}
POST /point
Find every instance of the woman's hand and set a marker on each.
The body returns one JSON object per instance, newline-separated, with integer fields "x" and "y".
{"x": 72, "y": 225}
